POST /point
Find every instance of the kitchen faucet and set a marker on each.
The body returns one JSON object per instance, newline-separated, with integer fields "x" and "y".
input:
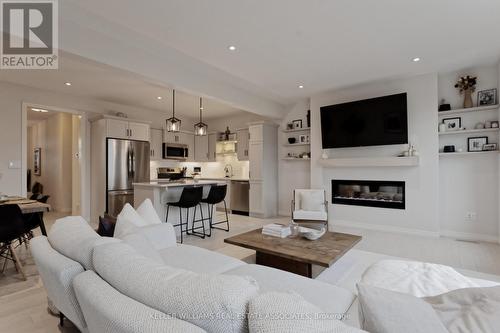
{"x": 228, "y": 169}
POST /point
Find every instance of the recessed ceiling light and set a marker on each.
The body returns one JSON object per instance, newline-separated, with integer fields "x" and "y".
{"x": 67, "y": 83}
{"x": 39, "y": 110}
{"x": 417, "y": 59}
{"x": 301, "y": 87}
{"x": 232, "y": 48}
{"x": 159, "y": 97}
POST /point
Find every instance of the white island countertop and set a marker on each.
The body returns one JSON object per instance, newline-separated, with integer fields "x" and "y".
{"x": 164, "y": 184}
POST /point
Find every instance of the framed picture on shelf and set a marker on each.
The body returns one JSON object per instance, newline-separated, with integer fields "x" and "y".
{"x": 453, "y": 124}
{"x": 37, "y": 162}
{"x": 476, "y": 144}
{"x": 487, "y": 97}
{"x": 303, "y": 138}
{"x": 490, "y": 147}
{"x": 494, "y": 124}
{"x": 297, "y": 124}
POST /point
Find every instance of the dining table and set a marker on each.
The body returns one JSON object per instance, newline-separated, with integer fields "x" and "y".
{"x": 29, "y": 207}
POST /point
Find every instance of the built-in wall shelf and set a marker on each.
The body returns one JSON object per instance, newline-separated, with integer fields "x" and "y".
{"x": 475, "y": 109}
{"x": 472, "y": 131}
{"x": 305, "y": 129}
{"x": 295, "y": 159}
{"x": 389, "y": 161}
{"x": 468, "y": 153}
{"x": 297, "y": 144}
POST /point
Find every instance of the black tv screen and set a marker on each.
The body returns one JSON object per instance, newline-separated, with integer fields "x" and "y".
{"x": 370, "y": 122}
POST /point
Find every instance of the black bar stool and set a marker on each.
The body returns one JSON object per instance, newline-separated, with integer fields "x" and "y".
{"x": 190, "y": 198}
{"x": 216, "y": 195}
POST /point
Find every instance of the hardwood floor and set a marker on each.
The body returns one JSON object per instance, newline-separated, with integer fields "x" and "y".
{"x": 26, "y": 310}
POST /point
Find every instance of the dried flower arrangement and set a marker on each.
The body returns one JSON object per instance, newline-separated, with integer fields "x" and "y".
{"x": 466, "y": 83}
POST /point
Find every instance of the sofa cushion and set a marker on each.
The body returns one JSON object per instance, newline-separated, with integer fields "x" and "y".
{"x": 419, "y": 279}
{"x": 216, "y": 303}
{"x": 73, "y": 237}
{"x": 142, "y": 245}
{"x": 290, "y": 313}
{"x": 327, "y": 297}
{"x": 148, "y": 212}
{"x": 125, "y": 315}
{"x": 198, "y": 260}
{"x": 313, "y": 201}
{"x": 308, "y": 215}
{"x": 385, "y": 311}
{"x": 127, "y": 221}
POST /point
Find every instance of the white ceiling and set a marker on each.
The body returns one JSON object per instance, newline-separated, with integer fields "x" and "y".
{"x": 321, "y": 44}
{"x": 105, "y": 83}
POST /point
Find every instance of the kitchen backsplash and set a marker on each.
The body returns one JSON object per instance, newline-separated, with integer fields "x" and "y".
{"x": 208, "y": 169}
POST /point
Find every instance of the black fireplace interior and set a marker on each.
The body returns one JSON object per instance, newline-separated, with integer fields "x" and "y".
{"x": 371, "y": 193}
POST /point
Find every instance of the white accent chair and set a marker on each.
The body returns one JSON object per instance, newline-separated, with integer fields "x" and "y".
{"x": 310, "y": 207}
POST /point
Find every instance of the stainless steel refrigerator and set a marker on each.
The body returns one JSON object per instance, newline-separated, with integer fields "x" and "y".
{"x": 127, "y": 163}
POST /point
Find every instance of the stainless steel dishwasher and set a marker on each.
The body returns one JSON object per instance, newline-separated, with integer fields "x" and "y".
{"x": 240, "y": 192}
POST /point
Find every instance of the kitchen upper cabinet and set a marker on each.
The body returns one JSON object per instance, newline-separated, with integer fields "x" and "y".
{"x": 212, "y": 147}
{"x": 201, "y": 148}
{"x": 187, "y": 138}
{"x": 172, "y": 137}
{"x": 117, "y": 129}
{"x": 243, "y": 150}
{"x": 139, "y": 131}
{"x": 123, "y": 129}
{"x": 156, "y": 144}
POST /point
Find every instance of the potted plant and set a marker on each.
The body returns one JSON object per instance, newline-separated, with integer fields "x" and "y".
{"x": 467, "y": 85}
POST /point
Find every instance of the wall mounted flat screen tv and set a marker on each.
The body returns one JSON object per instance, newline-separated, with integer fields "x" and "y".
{"x": 370, "y": 122}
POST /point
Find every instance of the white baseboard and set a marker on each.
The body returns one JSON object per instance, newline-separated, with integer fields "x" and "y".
{"x": 387, "y": 228}
{"x": 468, "y": 236}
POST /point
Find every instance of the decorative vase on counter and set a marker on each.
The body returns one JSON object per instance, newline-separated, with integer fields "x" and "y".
{"x": 468, "y": 98}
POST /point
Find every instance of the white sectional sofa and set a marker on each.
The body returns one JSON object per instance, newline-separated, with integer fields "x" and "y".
{"x": 145, "y": 282}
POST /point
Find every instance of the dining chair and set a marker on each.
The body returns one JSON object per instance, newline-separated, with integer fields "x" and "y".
{"x": 11, "y": 229}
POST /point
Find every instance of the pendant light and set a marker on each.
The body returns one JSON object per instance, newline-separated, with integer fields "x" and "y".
{"x": 200, "y": 129}
{"x": 173, "y": 124}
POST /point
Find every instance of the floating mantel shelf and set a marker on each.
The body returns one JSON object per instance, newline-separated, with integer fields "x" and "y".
{"x": 482, "y": 130}
{"x": 475, "y": 109}
{"x": 389, "y": 161}
{"x": 303, "y": 129}
{"x": 467, "y": 153}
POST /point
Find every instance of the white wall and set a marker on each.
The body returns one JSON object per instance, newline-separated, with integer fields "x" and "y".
{"x": 422, "y": 200}
{"x": 292, "y": 174}
{"x": 469, "y": 183}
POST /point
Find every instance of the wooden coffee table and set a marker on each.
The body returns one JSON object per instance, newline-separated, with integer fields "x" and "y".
{"x": 296, "y": 255}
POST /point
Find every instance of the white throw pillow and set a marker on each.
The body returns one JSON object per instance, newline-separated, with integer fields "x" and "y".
{"x": 469, "y": 310}
{"x": 127, "y": 221}
{"x": 142, "y": 245}
{"x": 291, "y": 313}
{"x": 148, "y": 212}
{"x": 385, "y": 311}
{"x": 312, "y": 201}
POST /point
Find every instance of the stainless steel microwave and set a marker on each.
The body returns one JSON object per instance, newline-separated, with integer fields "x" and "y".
{"x": 175, "y": 151}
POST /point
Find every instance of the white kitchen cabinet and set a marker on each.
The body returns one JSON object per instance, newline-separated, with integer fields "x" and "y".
{"x": 256, "y": 150}
{"x": 187, "y": 138}
{"x": 156, "y": 153}
{"x": 201, "y": 148}
{"x": 243, "y": 137}
{"x": 117, "y": 128}
{"x": 172, "y": 137}
{"x": 124, "y": 129}
{"x": 139, "y": 131}
{"x": 263, "y": 156}
{"x": 255, "y": 198}
{"x": 212, "y": 147}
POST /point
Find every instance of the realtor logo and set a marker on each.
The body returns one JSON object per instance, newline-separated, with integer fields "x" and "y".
{"x": 29, "y": 34}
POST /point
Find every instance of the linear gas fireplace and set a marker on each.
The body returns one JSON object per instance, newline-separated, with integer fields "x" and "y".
{"x": 371, "y": 193}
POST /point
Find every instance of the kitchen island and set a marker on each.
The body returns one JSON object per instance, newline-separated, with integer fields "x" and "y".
{"x": 160, "y": 192}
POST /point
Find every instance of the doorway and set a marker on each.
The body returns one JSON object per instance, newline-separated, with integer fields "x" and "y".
{"x": 54, "y": 150}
